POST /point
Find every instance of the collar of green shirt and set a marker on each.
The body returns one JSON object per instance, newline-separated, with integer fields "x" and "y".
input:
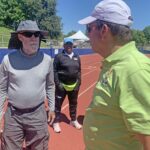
{"x": 120, "y": 53}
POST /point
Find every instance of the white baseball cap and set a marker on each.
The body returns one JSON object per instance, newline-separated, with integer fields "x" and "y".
{"x": 115, "y": 11}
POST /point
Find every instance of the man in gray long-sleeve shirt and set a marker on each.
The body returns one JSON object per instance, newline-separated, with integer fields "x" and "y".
{"x": 26, "y": 80}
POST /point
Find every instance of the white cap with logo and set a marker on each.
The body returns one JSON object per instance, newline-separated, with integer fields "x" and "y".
{"x": 115, "y": 11}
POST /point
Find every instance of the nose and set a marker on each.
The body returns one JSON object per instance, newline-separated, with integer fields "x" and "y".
{"x": 32, "y": 36}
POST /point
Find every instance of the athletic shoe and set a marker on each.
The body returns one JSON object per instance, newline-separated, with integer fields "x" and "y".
{"x": 76, "y": 124}
{"x": 56, "y": 127}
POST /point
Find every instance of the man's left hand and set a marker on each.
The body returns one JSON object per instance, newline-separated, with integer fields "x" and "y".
{"x": 51, "y": 117}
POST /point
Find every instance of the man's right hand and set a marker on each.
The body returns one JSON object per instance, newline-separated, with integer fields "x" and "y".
{"x": 1, "y": 129}
{"x": 60, "y": 86}
{"x": 1, "y": 132}
{"x": 51, "y": 117}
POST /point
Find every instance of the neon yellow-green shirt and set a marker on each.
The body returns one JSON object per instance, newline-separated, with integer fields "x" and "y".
{"x": 121, "y": 102}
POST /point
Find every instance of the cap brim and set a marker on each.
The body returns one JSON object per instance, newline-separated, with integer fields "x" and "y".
{"x": 87, "y": 20}
{"x": 68, "y": 42}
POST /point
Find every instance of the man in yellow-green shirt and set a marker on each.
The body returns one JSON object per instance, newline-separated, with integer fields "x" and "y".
{"x": 118, "y": 117}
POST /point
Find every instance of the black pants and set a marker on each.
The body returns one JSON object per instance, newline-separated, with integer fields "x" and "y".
{"x": 59, "y": 99}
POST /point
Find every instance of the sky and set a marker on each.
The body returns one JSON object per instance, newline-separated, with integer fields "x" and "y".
{"x": 71, "y": 11}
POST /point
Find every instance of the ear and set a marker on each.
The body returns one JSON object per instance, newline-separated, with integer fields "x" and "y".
{"x": 104, "y": 30}
{"x": 19, "y": 37}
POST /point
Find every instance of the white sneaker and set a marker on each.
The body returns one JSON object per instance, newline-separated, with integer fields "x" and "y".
{"x": 56, "y": 127}
{"x": 76, "y": 124}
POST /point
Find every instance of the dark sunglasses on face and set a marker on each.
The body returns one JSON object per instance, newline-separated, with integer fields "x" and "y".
{"x": 30, "y": 34}
{"x": 90, "y": 27}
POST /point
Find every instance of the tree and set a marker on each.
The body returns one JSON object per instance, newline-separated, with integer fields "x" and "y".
{"x": 11, "y": 13}
{"x": 139, "y": 37}
{"x": 43, "y": 11}
{"x": 147, "y": 33}
{"x": 50, "y": 21}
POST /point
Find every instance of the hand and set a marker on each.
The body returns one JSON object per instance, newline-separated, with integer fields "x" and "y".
{"x": 77, "y": 87}
{"x": 60, "y": 86}
{"x": 1, "y": 132}
{"x": 51, "y": 117}
{"x": 1, "y": 129}
{"x": 145, "y": 140}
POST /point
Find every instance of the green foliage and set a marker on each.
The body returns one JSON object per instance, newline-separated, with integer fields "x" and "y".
{"x": 43, "y": 11}
{"x": 139, "y": 37}
{"x": 50, "y": 21}
{"x": 11, "y": 13}
{"x": 147, "y": 33}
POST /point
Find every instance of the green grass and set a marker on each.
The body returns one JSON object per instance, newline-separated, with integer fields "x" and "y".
{"x": 5, "y": 36}
{"x": 4, "y": 30}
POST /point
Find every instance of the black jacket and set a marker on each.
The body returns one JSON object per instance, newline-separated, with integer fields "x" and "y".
{"x": 67, "y": 70}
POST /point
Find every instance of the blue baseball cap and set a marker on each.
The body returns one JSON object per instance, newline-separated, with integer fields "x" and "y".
{"x": 68, "y": 40}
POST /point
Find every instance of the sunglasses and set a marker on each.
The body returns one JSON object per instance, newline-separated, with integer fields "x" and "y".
{"x": 30, "y": 34}
{"x": 90, "y": 27}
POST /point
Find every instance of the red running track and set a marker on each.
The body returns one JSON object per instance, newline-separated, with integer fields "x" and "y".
{"x": 71, "y": 138}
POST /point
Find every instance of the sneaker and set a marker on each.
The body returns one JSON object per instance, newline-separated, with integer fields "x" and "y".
{"x": 76, "y": 124}
{"x": 56, "y": 127}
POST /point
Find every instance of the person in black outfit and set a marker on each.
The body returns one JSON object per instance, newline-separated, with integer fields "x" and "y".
{"x": 67, "y": 77}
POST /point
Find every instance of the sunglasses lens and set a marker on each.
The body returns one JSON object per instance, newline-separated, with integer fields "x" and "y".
{"x": 88, "y": 29}
{"x": 30, "y": 34}
{"x": 37, "y": 34}
{"x": 27, "y": 34}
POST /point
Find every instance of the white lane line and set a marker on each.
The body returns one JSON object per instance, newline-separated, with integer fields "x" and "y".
{"x": 91, "y": 65}
{"x": 89, "y": 68}
{"x": 88, "y": 72}
{"x": 64, "y": 107}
